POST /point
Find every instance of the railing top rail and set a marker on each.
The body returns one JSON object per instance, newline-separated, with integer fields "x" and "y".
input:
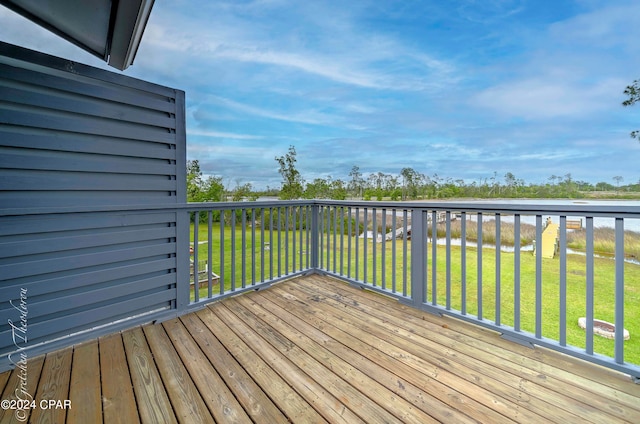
{"x": 618, "y": 210}
{"x": 629, "y": 211}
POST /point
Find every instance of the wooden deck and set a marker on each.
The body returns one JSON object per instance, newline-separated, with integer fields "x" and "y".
{"x": 317, "y": 350}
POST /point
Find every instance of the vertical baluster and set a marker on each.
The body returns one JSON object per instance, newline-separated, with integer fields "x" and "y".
{"x": 619, "y": 292}
{"x": 310, "y": 236}
{"x": 262, "y": 244}
{"x": 210, "y": 253}
{"x": 301, "y": 226}
{"x": 479, "y": 283}
{"x": 335, "y": 244}
{"x": 294, "y": 215}
{"x": 498, "y": 252}
{"x": 364, "y": 245}
{"x": 342, "y": 240}
{"x": 374, "y": 243}
{"x": 434, "y": 256}
{"x": 538, "y": 276}
{"x": 243, "y": 255}
{"x": 393, "y": 250}
{"x": 463, "y": 262}
{"x": 328, "y": 218}
{"x": 222, "y": 259}
{"x": 253, "y": 246}
{"x": 405, "y": 238}
{"x": 233, "y": 249}
{"x": 322, "y": 210}
{"x": 590, "y": 285}
{"x": 196, "y": 286}
{"x": 563, "y": 281}
{"x": 279, "y": 249}
{"x": 357, "y": 230}
{"x": 286, "y": 239}
{"x": 448, "y": 259}
{"x": 307, "y": 220}
{"x": 270, "y": 243}
{"x": 349, "y": 236}
{"x": 383, "y": 231}
{"x": 516, "y": 272}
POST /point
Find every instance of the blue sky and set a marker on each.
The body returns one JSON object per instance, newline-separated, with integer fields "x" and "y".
{"x": 465, "y": 89}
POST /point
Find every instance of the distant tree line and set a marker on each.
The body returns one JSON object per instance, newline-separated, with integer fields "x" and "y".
{"x": 212, "y": 188}
{"x": 408, "y": 184}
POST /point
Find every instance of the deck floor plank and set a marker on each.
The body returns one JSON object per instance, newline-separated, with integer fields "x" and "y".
{"x": 251, "y": 396}
{"x": 462, "y": 399}
{"x": 441, "y": 402}
{"x": 182, "y": 392}
{"x": 387, "y": 396}
{"x": 4, "y": 378}
{"x": 386, "y": 370}
{"x": 118, "y": 400}
{"x": 153, "y": 401}
{"x": 84, "y": 392}
{"x": 557, "y": 372}
{"x": 314, "y": 349}
{"x": 549, "y": 381}
{"x": 512, "y": 392}
{"x": 54, "y": 386}
{"x": 340, "y": 386}
{"x": 294, "y": 405}
{"x": 328, "y": 405}
{"x": 18, "y": 388}
{"x": 218, "y": 397}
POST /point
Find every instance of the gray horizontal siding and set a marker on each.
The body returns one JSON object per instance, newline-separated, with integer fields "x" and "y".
{"x": 76, "y": 137}
{"x": 22, "y": 180}
{"x": 32, "y": 138}
{"x": 46, "y": 199}
{"x": 44, "y": 160}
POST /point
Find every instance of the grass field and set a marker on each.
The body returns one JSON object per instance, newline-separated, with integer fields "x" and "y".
{"x": 576, "y": 280}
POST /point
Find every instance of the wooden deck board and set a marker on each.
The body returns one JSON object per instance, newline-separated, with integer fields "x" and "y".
{"x": 291, "y": 403}
{"x": 417, "y": 367}
{"x": 118, "y": 400}
{"x": 338, "y": 384}
{"x": 218, "y": 397}
{"x": 254, "y": 401}
{"x": 153, "y": 401}
{"x": 339, "y": 359}
{"x": 17, "y": 388}
{"x": 85, "y": 393}
{"x": 182, "y": 392}
{"x": 309, "y": 388}
{"x": 53, "y": 385}
{"x": 317, "y": 350}
{"x": 457, "y": 365}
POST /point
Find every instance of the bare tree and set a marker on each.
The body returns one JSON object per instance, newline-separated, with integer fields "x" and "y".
{"x": 633, "y": 91}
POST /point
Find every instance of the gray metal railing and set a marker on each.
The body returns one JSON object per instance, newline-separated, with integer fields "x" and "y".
{"x": 246, "y": 245}
{"x": 480, "y": 262}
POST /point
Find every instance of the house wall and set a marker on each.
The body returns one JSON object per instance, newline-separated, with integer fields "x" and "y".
{"x": 92, "y": 165}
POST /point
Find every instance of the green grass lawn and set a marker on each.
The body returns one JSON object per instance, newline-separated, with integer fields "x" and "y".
{"x": 576, "y": 280}
{"x": 274, "y": 263}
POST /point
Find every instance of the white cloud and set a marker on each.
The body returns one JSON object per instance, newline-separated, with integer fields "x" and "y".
{"x": 341, "y": 53}
{"x": 548, "y": 97}
{"x": 221, "y": 134}
{"x": 308, "y": 116}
